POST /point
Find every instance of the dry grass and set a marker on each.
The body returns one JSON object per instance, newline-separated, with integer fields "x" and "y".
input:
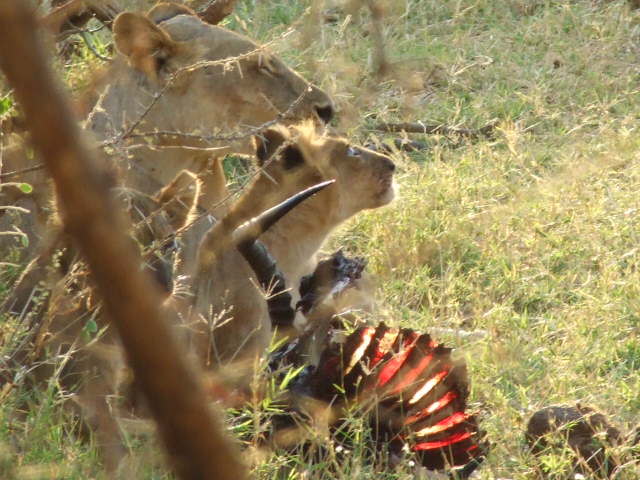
{"x": 531, "y": 236}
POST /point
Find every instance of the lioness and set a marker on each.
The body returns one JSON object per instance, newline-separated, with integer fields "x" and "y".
{"x": 66, "y": 329}
{"x": 228, "y": 315}
{"x": 223, "y": 83}
{"x": 178, "y": 83}
{"x": 156, "y": 220}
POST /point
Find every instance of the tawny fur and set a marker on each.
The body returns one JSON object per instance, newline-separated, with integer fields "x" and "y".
{"x": 228, "y": 318}
{"x": 215, "y": 98}
{"x": 222, "y": 98}
{"x": 57, "y": 295}
{"x": 155, "y": 218}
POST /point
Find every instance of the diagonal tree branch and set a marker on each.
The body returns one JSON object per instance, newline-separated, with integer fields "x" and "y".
{"x": 432, "y": 128}
{"x": 191, "y": 434}
{"x": 214, "y": 11}
{"x": 67, "y": 16}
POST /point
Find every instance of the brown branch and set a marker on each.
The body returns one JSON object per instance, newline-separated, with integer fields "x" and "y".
{"x": 214, "y": 11}
{"x": 5, "y": 176}
{"x": 401, "y": 144}
{"x": 430, "y": 128}
{"x": 69, "y": 16}
{"x": 191, "y": 434}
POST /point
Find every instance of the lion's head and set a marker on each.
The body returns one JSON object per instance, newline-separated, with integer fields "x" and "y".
{"x": 183, "y": 75}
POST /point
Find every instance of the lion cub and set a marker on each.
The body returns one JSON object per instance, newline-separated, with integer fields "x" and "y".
{"x": 226, "y": 313}
{"x": 68, "y": 337}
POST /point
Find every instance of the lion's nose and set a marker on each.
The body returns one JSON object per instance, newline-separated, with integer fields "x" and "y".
{"x": 325, "y": 112}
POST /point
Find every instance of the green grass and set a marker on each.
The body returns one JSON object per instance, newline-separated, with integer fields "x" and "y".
{"x": 531, "y": 236}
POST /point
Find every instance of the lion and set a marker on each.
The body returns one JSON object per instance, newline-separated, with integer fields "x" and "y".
{"x": 227, "y": 314}
{"x": 181, "y": 94}
{"x": 67, "y": 334}
{"x": 71, "y": 339}
{"x": 157, "y": 218}
{"x": 184, "y": 60}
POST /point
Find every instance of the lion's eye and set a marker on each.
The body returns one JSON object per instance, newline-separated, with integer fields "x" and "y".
{"x": 353, "y": 151}
{"x": 267, "y": 69}
{"x": 266, "y": 65}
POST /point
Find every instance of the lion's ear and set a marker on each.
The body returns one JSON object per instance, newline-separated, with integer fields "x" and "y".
{"x": 269, "y": 141}
{"x": 145, "y": 44}
{"x": 180, "y": 198}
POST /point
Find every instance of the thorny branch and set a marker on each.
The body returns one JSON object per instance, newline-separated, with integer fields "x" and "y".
{"x": 213, "y": 11}
{"x": 76, "y": 13}
{"x": 91, "y": 46}
{"x": 431, "y": 128}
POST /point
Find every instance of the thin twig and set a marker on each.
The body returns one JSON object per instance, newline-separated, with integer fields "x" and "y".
{"x": 214, "y": 11}
{"x": 402, "y": 144}
{"x": 77, "y": 13}
{"x": 4, "y": 176}
{"x": 91, "y": 47}
{"x": 434, "y": 129}
{"x": 13, "y": 208}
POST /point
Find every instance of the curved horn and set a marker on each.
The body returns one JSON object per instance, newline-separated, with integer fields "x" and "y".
{"x": 279, "y": 302}
{"x": 251, "y": 230}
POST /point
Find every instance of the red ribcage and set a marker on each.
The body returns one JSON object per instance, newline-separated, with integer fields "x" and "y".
{"x": 414, "y": 391}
